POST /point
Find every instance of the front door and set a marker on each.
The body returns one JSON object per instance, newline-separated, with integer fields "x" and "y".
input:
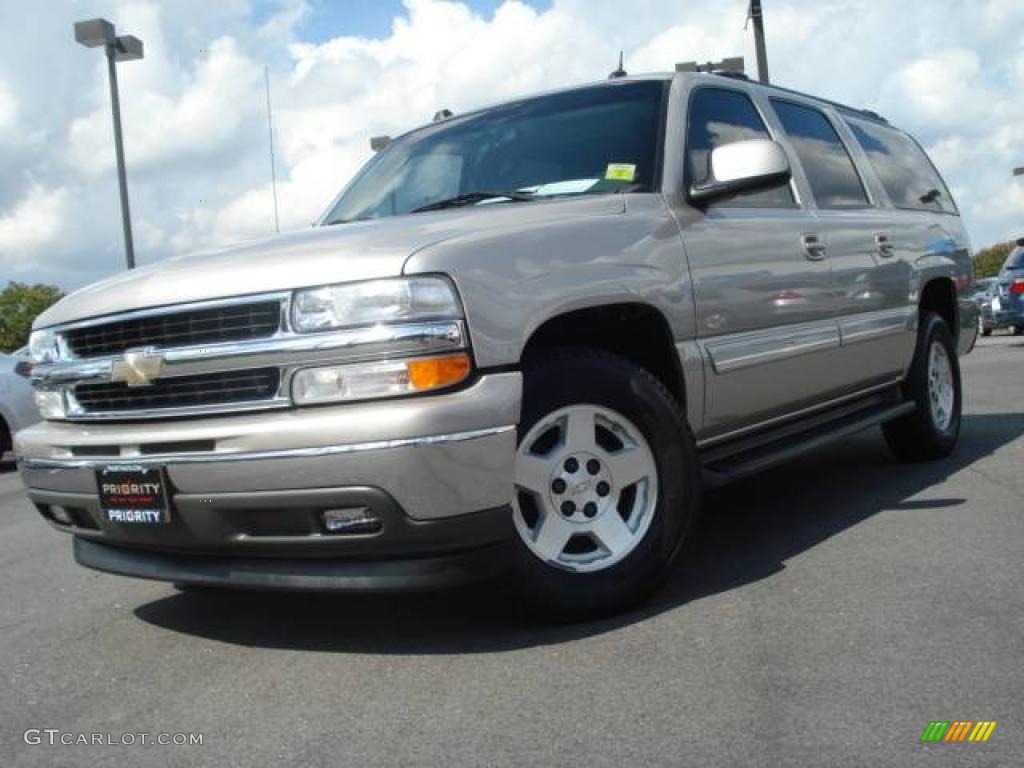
{"x": 761, "y": 279}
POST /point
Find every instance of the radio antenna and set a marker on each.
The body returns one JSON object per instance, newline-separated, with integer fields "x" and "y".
{"x": 270, "y": 132}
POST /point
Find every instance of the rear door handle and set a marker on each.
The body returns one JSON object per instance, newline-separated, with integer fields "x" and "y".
{"x": 814, "y": 249}
{"x": 885, "y": 248}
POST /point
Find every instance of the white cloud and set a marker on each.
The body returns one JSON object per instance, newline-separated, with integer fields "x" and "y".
{"x": 198, "y": 119}
{"x": 32, "y": 224}
{"x": 1004, "y": 206}
{"x": 8, "y": 106}
{"x": 941, "y": 86}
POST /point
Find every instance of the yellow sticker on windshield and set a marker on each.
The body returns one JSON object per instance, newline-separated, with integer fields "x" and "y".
{"x": 620, "y": 172}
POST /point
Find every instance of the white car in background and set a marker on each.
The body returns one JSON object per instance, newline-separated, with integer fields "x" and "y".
{"x": 17, "y": 402}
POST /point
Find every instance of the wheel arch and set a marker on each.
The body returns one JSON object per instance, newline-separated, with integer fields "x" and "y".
{"x": 636, "y": 331}
{"x": 6, "y": 434}
{"x": 939, "y": 296}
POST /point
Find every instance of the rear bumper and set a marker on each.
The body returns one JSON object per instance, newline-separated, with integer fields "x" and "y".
{"x": 1003, "y": 319}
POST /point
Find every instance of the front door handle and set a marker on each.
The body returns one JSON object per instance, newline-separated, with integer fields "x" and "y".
{"x": 885, "y": 248}
{"x": 814, "y": 249}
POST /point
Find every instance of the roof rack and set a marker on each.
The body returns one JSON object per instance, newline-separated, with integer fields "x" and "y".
{"x": 871, "y": 115}
{"x": 732, "y": 75}
{"x": 733, "y": 67}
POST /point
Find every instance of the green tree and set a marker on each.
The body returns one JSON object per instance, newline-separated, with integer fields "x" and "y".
{"x": 20, "y": 303}
{"x": 988, "y": 261}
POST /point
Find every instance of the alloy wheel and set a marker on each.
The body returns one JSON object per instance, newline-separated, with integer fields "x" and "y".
{"x": 941, "y": 392}
{"x": 586, "y": 488}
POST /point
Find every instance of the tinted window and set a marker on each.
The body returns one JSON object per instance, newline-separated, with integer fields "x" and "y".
{"x": 830, "y": 171}
{"x": 907, "y": 174}
{"x": 718, "y": 117}
{"x": 588, "y": 141}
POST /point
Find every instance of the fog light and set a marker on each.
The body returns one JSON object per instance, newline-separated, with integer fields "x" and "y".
{"x": 61, "y": 515}
{"x": 351, "y": 520}
{"x": 50, "y": 403}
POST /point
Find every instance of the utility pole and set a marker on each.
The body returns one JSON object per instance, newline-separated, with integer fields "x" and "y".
{"x": 270, "y": 131}
{"x": 97, "y": 33}
{"x": 756, "y": 14}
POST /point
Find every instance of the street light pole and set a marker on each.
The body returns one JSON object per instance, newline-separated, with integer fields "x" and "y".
{"x": 122, "y": 177}
{"x": 756, "y": 14}
{"x": 93, "y": 34}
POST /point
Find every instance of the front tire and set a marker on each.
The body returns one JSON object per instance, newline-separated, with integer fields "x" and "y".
{"x": 607, "y": 484}
{"x": 933, "y": 383}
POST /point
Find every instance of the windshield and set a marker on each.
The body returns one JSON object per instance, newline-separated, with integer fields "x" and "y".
{"x": 589, "y": 141}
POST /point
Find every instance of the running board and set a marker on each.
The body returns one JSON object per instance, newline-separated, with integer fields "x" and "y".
{"x": 747, "y": 456}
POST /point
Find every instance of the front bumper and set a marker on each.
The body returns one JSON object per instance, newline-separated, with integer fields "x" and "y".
{"x": 488, "y": 555}
{"x": 248, "y": 491}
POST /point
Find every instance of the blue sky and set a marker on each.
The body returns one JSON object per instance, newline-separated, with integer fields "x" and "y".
{"x": 367, "y": 18}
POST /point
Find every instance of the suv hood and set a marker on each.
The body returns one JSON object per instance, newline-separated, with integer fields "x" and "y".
{"x": 319, "y": 256}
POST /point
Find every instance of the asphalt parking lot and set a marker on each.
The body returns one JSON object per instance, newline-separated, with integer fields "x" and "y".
{"x": 823, "y": 614}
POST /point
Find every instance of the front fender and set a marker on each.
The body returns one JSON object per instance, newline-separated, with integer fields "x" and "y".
{"x": 512, "y": 280}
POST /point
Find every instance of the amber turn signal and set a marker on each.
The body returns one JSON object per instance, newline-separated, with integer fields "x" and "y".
{"x": 436, "y": 372}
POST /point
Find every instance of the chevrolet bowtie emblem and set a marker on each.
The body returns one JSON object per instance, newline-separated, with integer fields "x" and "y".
{"x": 137, "y": 369}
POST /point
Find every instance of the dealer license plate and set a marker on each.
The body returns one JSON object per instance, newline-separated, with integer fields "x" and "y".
{"x": 133, "y": 494}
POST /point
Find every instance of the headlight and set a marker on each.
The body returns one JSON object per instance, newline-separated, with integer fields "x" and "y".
{"x": 374, "y": 301}
{"x": 386, "y": 378}
{"x": 42, "y": 347}
{"x": 50, "y": 403}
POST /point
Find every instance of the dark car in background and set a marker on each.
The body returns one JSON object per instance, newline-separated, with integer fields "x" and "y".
{"x": 1003, "y": 304}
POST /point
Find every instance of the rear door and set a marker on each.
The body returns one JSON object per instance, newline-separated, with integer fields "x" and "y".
{"x": 871, "y": 277}
{"x": 925, "y": 229}
{"x": 761, "y": 280}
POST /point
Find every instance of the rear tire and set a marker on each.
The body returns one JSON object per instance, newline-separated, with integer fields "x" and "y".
{"x": 933, "y": 384}
{"x": 607, "y": 484}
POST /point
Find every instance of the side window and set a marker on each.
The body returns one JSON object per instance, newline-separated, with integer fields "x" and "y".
{"x": 907, "y": 174}
{"x": 717, "y": 117}
{"x": 830, "y": 171}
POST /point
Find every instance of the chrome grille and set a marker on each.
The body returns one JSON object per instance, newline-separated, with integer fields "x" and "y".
{"x": 180, "y": 391}
{"x": 210, "y": 325}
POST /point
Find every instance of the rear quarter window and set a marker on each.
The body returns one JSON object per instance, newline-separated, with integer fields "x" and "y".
{"x": 904, "y": 169}
{"x": 1015, "y": 260}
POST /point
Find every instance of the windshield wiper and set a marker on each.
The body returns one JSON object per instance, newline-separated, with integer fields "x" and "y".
{"x": 471, "y": 198}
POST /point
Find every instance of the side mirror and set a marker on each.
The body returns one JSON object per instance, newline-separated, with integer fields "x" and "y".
{"x": 743, "y": 166}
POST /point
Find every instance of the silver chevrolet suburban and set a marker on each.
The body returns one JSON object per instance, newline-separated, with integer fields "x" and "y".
{"x": 521, "y": 339}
